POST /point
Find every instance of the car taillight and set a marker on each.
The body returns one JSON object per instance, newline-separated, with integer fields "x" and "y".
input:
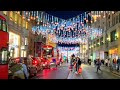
{"x": 34, "y": 62}
{"x": 45, "y": 62}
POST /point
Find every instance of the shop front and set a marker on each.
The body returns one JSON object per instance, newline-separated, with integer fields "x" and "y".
{"x": 14, "y": 45}
{"x": 24, "y": 47}
{"x": 113, "y": 53}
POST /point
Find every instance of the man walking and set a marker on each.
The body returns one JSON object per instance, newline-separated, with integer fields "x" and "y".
{"x": 118, "y": 63}
{"x": 98, "y": 65}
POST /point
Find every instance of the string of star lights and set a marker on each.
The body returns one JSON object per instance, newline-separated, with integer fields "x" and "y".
{"x": 71, "y": 31}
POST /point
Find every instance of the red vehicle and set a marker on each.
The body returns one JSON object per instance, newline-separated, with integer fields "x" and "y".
{"x": 35, "y": 65}
{"x": 4, "y": 39}
{"x": 47, "y": 53}
{"x": 45, "y": 63}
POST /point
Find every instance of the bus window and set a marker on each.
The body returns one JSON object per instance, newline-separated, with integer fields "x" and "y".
{"x": 0, "y": 24}
{"x": 3, "y": 57}
{"x": 4, "y": 26}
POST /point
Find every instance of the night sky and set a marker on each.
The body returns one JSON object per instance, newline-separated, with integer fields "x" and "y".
{"x": 64, "y": 14}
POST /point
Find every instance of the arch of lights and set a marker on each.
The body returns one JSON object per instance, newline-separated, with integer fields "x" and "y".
{"x": 74, "y": 30}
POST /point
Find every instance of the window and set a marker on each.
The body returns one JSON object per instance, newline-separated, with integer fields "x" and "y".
{"x": 16, "y": 18}
{"x": 116, "y": 19}
{"x": 112, "y": 35}
{"x": 119, "y": 17}
{"x": 0, "y": 24}
{"x": 23, "y": 23}
{"x": 19, "y": 20}
{"x": 5, "y": 12}
{"x": 26, "y": 41}
{"x": 4, "y": 26}
{"x": 26, "y": 25}
{"x": 109, "y": 17}
{"x": 101, "y": 41}
{"x": 97, "y": 42}
{"x": 11, "y": 15}
{"x": 3, "y": 57}
{"x": 21, "y": 13}
{"x": 109, "y": 23}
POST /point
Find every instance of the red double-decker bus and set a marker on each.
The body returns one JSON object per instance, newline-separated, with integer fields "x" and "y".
{"x": 4, "y": 39}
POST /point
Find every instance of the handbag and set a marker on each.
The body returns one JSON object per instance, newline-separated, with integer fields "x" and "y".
{"x": 80, "y": 70}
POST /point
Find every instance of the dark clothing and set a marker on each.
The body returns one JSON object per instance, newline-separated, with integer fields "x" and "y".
{"x": 98, "y": 65}
{"x": 78, "y": 64}
{"x": 98, "y": 68}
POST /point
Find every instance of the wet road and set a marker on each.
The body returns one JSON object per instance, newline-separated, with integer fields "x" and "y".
{"x": 63, "y": 72}
{"x": 54, "y": 73}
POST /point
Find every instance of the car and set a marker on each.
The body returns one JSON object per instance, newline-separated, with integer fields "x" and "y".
{"x": 35, "y": 65}
{"x": 45, "y": 63}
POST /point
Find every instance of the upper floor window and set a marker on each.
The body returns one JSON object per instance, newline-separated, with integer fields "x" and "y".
{"x": 109, "y": 23}
{"x": 19, "y": 20}
{"x": 26, "y": 25}
{"x": 3, "y": 25}
{"x": 5, "y": 12}
{"x": 119, "y": 17}
{"x": 116, "y": 19}
{"x": 108, "y": 16}
{"x": 0, "y": 24}
{"x": 11, "y": 15}
{"x": 113, "y": 35}
{"x": 16, "y": 18}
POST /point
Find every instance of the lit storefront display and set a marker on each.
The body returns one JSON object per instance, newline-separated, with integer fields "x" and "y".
{"x": 113, "y": 53}
{"x": 14, "y": 43}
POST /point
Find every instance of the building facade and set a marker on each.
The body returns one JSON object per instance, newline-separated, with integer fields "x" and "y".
{"x": 106, "y": 45}
{"x": 19, "y": 29}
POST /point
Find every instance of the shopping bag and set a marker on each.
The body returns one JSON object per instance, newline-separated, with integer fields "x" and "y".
{"x": 75, "y": 65}
{"x": 80, "y": 70}
{"x": 70, "y": 67}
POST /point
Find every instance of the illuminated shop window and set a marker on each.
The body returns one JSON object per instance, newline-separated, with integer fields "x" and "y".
{"x": 5, "y": 12}
{"x": 26, "y": 25}
{"x": 11, "y": 15}
{"x": 26, "y": 41}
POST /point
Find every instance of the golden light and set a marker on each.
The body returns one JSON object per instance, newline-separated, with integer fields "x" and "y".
{"x": 38, "y": 23}
{"x": 23, "y": 17}
{"x": 26, "y": 13}
{"x": 28, "y": 19}
{"x": 104, "y": 16}
{"x": 112, "y": 12}
{"x": 36, "y": 16}
{"x": 18, "y": 12}
{"x": 86, "y": 20}
{"x": 31, "y": 17}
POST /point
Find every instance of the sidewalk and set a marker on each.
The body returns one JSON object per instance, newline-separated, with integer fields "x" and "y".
{"x": 107, "y": 69}
{"x": 114, "y": 71}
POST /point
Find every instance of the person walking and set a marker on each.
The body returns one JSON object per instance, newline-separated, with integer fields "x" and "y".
{"x": 118, "y": 63}
{"x": 106, "y": 62}
{"x": 98, "y": 65}
{"x": 78, "y": 64}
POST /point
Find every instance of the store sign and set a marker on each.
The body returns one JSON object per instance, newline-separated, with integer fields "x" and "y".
{"x": 4, "y": 38}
